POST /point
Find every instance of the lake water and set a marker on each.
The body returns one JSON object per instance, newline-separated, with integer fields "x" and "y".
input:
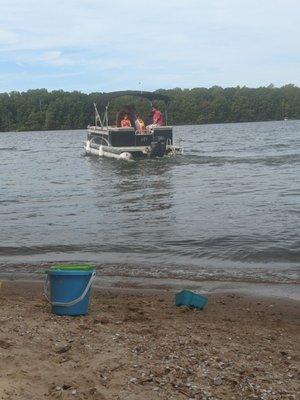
{"x": 227, "y": 209}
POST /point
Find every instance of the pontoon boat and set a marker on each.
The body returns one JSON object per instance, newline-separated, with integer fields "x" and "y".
{"x": 127, "y": 143}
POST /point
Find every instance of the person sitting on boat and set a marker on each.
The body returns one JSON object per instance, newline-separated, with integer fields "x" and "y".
{"x": 158, "y": 119}
{"x": 140, "y": 125}
{"x": 125, "y": 123}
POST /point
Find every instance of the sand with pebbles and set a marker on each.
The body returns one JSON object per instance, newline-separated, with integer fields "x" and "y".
{"x": 136, "y": 345}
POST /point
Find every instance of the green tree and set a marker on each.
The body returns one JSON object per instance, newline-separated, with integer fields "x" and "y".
{"x": 39, "y": 109}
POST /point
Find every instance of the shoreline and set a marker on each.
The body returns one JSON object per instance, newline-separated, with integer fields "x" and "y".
{"x": 231, "y": 270}
{"x": 135, "y": 344}
{"x": 288, "y": 291}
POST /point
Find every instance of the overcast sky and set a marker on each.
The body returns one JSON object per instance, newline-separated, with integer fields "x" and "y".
{"x": 96, "y": 45}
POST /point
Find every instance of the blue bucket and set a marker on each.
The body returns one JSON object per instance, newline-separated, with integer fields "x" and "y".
{"x": 69, "y": 291}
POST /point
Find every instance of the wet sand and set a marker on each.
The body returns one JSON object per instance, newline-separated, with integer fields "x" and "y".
{"x": 135, "y": 344}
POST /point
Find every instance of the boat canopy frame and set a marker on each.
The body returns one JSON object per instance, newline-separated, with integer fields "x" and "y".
{"x": 107, "y": 97}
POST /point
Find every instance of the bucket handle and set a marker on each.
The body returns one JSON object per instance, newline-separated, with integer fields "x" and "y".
{"x": 72, "y": 302}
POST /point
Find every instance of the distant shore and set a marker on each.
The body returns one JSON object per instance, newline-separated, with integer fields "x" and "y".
{"x": 19, "y": 111}
{"x": 135, "y": 344}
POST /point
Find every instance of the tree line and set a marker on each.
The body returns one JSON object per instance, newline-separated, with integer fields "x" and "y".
{"x": 43, "y": 110}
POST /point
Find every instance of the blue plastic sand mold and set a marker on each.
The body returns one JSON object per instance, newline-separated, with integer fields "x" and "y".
{"x": 191, "y": 299}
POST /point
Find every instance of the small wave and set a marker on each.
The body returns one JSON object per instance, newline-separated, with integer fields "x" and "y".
{"x": 24, "y": 250}
{"x": 235, "y": 248}
{"x": 290, "y": 192}
{"x": 231, "y": 248}
{"x": 12, "y": 148}
{"x": 7, "y": 201}
{"x": 219, "y": 160}
{"x": 57, "y": 249}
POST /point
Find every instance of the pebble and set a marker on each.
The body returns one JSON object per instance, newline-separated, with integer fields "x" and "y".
{"x": 66, "y": 386}
{"x": 5, "y": 344}
{"x": 217, "y": 381}
{"x": 63, "y": 349}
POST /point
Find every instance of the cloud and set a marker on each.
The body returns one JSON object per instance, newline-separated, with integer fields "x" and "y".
{"x": 7, "y": 37}
{"x": 163, "y": 43}
{"x": 52, "y": 58}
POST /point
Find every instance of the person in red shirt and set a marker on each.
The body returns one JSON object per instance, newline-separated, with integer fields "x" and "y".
{"x": 158, "y": 119}
{"x": 125, "y": 123}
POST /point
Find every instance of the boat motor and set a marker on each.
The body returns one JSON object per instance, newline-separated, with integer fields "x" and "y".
{"x": 158, "y": 149}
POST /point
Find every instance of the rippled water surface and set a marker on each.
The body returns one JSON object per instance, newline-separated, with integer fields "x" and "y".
{"x": 228, "y": 207}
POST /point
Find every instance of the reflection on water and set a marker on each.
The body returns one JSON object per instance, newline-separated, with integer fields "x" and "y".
{"x": 229, "y": 205}
{"x": 136, "y": 187}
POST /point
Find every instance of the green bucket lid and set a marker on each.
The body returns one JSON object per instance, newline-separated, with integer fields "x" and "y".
{"x": 72, "y": 267}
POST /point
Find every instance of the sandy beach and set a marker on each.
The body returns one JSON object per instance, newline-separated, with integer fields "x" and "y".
{"x": 135, "y": 344}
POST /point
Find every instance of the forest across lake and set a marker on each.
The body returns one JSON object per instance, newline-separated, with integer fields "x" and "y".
{"x": 41, "y": 109}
